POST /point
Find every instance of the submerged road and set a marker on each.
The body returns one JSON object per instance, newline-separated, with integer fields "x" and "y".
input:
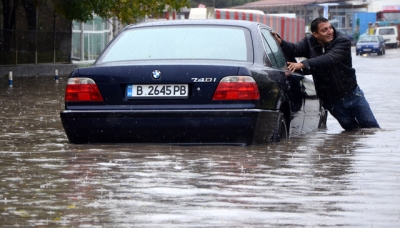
{"x": 326, "y": 178}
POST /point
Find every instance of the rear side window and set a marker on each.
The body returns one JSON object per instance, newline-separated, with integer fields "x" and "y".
{"x": 181, "y": 42}
{"x": 386, "y": 31}
{"x": 274, "y": 52}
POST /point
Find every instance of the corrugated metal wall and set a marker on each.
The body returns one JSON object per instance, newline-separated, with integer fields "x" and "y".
{"x": 290, "y": 29}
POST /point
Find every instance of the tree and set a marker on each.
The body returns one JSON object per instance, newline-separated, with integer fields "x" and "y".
{"x": 9, "y": 8}
{"x": 127, "y": 11}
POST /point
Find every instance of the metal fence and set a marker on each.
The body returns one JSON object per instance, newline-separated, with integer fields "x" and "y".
{"x": 34, "y": 47}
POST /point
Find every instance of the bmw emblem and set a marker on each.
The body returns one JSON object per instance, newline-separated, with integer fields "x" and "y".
{"x": 156, "y": 74}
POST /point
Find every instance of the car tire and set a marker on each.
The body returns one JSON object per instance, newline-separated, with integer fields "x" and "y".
{"x": 281, "y": 129}
{"x": 380, "y": 52}
{"x": 75, "y": 140}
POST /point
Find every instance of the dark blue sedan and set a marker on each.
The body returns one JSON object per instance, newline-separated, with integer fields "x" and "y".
{"x": 190, "y": 82}
{"x": 368, "y": 44}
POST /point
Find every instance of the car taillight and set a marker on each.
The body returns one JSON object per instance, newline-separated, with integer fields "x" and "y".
{"x": 82, "y": 89}
{"x": 237, "y": 88}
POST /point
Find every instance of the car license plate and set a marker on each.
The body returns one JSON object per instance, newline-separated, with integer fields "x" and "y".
{"x": 367, "y": 49}
{"x": 157, "y": 91}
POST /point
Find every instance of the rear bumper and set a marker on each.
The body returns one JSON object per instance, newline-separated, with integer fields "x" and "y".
{"x": 394, "y": 43}
{"x": 170, "y": 126}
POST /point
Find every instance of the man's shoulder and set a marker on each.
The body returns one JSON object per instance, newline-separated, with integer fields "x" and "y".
{"x": 341, "y": 41}
{"x": 311, "y": 41}
{"x": 341, "y": 37}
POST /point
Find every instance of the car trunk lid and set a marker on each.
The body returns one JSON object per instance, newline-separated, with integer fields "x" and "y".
{"x": 161, "y": 84}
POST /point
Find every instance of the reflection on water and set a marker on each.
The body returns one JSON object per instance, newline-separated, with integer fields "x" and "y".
{"x": 326, "y": 178}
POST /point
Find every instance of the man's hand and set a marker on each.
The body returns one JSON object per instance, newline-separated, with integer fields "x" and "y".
{"x": 276, "y": 37}
{"x": 295, "y": 66}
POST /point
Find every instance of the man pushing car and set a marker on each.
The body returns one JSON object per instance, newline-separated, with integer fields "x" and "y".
{"x": 329, "y": 61}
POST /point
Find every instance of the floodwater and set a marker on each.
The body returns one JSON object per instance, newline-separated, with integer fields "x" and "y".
{"x": 327, "y": 178}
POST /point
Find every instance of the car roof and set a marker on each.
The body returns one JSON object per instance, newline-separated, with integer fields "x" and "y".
{"x": 249, "y": 24}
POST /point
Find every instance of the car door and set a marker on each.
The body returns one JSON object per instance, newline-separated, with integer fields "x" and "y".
{"x": 295, "y": 88}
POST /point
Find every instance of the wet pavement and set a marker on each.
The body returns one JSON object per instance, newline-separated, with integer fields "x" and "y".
{"x": 328, "y": 178}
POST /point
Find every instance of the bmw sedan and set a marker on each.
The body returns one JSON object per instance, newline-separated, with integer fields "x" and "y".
{"x": 368, "y": 44}
{"x": 190, "y": 82}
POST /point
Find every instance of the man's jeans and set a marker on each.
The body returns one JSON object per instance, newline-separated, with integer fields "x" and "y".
{"x": 352, "y": 111}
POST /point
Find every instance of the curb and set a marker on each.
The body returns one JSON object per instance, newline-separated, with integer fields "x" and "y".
{"x": 27, "y": 70}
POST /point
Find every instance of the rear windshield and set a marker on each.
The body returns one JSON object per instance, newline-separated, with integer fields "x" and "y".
{"x": 181, "y": 42}
{"x": 386, "y": 31}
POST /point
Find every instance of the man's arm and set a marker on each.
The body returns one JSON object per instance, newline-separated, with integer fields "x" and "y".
{"x": 340, "y": 51}
{"x": 277, "y": 37}
{"x": 291, "y": 51}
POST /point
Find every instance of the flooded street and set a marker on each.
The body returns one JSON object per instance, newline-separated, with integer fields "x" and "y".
{"x": 328, "y": 178}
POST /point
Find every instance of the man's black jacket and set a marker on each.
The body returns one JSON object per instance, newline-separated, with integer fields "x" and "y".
{"x": 331, "y": 66}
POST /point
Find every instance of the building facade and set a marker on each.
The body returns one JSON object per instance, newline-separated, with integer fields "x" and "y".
{"x": 30, "y": 35}
{"x": 339, "y": 12}
{"x": 90, "y": 38}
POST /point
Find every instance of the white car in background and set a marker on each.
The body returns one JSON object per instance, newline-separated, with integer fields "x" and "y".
{"x": 390, "y": 34}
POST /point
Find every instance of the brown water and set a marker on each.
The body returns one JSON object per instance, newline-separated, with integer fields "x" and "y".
{"x": 325, "y": 178}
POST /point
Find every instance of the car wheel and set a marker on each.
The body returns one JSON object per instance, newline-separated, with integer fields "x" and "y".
{"x": 75, "y": 140}
{"x": 380, "y": 52}
{"x": 281, "y": 130}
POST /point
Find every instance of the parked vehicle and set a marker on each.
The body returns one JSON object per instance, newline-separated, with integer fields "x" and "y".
{"x": 368, "y": 44}
{"x": 190, "y": 81}
{"x": 390, "y": 35}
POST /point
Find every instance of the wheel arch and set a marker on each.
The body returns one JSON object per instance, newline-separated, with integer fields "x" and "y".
{"x": 285, "y": 109}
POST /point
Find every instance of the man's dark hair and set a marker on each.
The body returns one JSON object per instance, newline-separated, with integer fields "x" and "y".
{"x": 315, "y": 23}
